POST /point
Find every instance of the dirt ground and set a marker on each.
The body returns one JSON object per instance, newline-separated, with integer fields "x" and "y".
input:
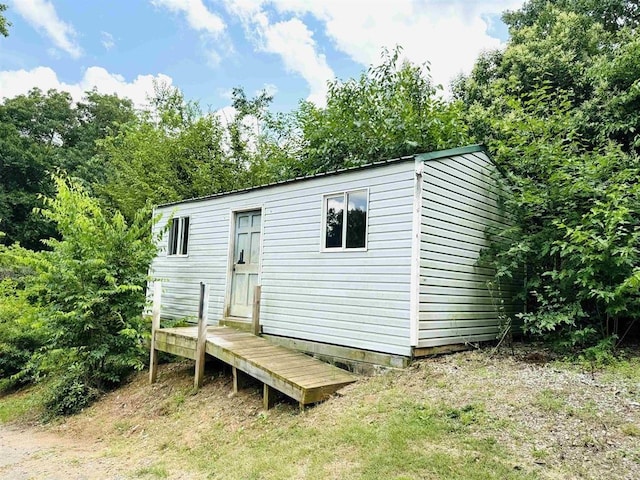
{"x": 30, "y": 453}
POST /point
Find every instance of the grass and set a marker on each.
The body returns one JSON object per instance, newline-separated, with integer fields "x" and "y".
{"x": 21, "y": 405}
{"x": 465, "y": 416}
{"x": 390, "y": 438}
{"x": 550, "y": 401}
{"x": 154, "y": 471}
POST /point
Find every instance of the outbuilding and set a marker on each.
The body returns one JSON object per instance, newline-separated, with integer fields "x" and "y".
{"x": 379, "y": 263}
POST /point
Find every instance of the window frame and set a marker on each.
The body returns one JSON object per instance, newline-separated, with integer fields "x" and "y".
{"x": 323, "y": 232}
{"x": 182, "y": 235}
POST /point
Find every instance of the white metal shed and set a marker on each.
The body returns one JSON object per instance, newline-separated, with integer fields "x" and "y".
{"x": 379, "y": 259}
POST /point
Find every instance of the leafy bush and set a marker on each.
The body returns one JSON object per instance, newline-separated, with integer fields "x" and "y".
{"x": 21, "y": 332}
{"x": 70, "y": 392}
{"x": 73, "y": 315}
{"x": 92, "y": 289}
{"x": 577, "y": 234}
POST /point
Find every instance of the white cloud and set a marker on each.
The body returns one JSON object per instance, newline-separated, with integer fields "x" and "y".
{"x": 269, "y": 89}
{"x": 448, "y": 34}
{"x": 41, "y": 14}
{"x": 107, "y": 40}
{"x": 200, "y": 18}
{"x": 19, "y": 82}
{"x": 197, "y": 14}
{"x": 292, "y": 40}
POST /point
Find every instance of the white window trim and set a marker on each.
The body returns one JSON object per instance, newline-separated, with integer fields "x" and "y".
{"x": 180, "y": 238}
{"x": 323, "y": 233}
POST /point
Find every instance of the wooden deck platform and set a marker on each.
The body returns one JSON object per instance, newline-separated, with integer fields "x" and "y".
{"x": 295, "y": 374}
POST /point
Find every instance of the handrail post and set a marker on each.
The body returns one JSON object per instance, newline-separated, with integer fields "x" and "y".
{"x": 255, "y": 314}
{"x": 202, "y": 335}
{"x": 155, "y": 326}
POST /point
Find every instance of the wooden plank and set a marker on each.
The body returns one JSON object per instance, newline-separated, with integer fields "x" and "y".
{"x": 302, "y": 370}
{"x": 155, "y": 326}
{"x": 430, "y": 351}
{"x": 267, "y": 356}
{"x": 277, "y": 367}
{"x": 311, "y": 380}
{"x": 202, "y": 335}
{"x": 336, "y": 351}
{"x": 174, "y": 350}
{"x": 255, "y": 313}
{"x": 321, "y": 393}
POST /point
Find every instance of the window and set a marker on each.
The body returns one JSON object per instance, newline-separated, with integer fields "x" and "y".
{"x": 178, "y": 236}
{"x": 345, "y": 220}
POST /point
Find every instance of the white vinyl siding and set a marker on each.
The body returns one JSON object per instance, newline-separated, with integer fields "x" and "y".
{"x": 356, "y": 298}
{"x": 460, "y": 200}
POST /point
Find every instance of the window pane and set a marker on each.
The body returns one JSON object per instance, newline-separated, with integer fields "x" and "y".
{"x": 173, "y": 237}
{"x": 335, "y": 214}
{"x": 357, "y": 219}
{"x": 185, "y": 235}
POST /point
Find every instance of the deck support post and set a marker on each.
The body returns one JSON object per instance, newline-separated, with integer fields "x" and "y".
{"x": 268, "y": 397}
{"x": 202, "y": 335}
{"x": 155, "y": 325}
{"x": 240, "y": 379}
{"x": 255, "y": 313}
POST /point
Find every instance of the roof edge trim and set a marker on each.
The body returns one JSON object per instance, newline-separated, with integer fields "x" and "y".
{"x": 451, "y": 152}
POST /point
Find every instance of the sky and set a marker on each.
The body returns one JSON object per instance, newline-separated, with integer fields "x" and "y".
{"x": 291, "y": 48}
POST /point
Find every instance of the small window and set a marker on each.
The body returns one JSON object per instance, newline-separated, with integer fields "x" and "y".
{"x": 178, "y": 236}
{"x": 345, "y": 220}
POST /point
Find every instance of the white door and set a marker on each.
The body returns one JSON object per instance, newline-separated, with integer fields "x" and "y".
{"x": 246, "y": 263}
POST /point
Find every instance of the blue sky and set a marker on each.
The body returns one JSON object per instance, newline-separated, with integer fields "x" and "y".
{"x": 207, "y": 47}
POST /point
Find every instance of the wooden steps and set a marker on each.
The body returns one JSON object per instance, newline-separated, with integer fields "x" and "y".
{"x": 295, "y": 374}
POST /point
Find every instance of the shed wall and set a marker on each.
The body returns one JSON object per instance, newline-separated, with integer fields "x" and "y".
{"x": 460, "y": 205}
{"x": 358, "y": 299}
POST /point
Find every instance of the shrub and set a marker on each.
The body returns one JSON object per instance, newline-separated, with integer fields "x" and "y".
{"x": 73, "y": 314}
{"x": 577, "y": 234}
{"x": 92, "y": 289}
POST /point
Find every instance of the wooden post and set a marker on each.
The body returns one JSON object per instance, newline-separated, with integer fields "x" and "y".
{"x": 240, "y": 379}
{"x": 268, "y": 397}
{"x": 255, "y": 314}
{"x": 202, "y": 335}
{"x": 155, "y": 325}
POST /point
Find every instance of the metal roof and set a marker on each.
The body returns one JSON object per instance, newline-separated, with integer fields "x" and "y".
{"x": 420, "y": 157}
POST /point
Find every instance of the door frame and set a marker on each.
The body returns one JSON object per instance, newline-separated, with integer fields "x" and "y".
{"x": 231, "y": 246}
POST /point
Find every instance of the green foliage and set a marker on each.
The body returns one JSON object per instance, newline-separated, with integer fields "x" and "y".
{"x": 169, "y": 154}
{"x": 71, "y": 315}
{"x": 559, "y": 110}
{"x": 4, "y": 30}
{"x": 392, "y": 110}
{"x": 70, "y": 392}
{"x": 21, "y": 331}
{"x": 599, "y": 355}
{"x": 40, "y": 133}
{"x": 92, "y": 291}
{"x": 577, "y": 215}
{"x": 584, "y": 48}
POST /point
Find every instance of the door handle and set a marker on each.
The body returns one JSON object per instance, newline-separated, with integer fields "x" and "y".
{"x": 241, "y": 259}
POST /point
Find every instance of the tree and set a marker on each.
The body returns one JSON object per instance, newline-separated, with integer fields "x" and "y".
{"x": 583, "y": 48}
{"x": 44, "y": 132}
{"x": 4, "y": 24}
{"x": 391, "y": 110}
{"x": 167, "y": 154}
{"x": 97, "y": 116}
{"x": 558, "y": 107}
